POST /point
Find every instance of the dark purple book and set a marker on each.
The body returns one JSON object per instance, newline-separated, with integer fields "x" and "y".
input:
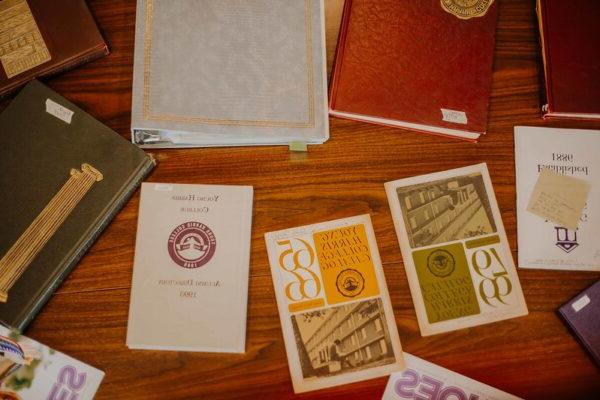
{"x": 583, "y": 316}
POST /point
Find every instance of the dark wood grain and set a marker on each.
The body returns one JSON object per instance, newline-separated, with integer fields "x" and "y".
{"x": 534, "y": 357}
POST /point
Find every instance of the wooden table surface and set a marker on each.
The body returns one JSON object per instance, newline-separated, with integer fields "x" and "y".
{"x": 534, "y": 357}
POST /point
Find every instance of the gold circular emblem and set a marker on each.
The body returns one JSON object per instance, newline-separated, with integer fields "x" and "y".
{"x": 466, "y": 9}
{"x": 350, "y": 283}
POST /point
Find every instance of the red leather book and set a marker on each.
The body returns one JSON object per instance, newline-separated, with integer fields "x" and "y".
{"x": 43, "y": 37}
{"x": 423, "y": 65}
{"x": 570, "y": 36}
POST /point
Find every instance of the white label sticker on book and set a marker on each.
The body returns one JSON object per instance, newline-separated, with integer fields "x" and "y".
{"x": 458, "y": 117}
{"x": 60, "y": 112}
{"x": 163, "y": 187}
{"x": 581, "y": 303}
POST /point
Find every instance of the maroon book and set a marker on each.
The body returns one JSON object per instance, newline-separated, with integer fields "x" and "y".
{"x": 423, "y": 65}
{"x": 43, "y": 37}
{"x": 583, "y": 316}
{"x": 570, "y": 36}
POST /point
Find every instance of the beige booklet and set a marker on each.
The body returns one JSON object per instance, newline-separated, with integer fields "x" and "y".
{"x": 337, "y": 321}
{"x": 190, "y": 274}
{"x": 456, "y": 255}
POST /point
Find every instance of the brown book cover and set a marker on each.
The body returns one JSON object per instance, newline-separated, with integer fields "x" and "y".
{"x": 43, "y": 37}
{"x": 422, "y": 65}
{"x": 570, "y": 36}
{"x": 64, "y": 177}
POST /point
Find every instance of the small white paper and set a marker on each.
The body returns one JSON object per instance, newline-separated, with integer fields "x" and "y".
{"x": 458, "y": 117}
{"x": 60, "y": 112}
{"x": 581, "y": 303}
{"x": 163, "y": 187}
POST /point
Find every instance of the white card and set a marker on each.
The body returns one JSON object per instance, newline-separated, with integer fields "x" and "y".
{"x": 571, "y": 152}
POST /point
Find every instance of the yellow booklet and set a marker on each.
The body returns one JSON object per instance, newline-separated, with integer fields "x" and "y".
{"x": 335, "y": 311}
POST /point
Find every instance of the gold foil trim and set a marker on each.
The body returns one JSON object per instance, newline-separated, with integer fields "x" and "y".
{"x": 44, "y": 226}
{"x": 467, "y": 9}
{"x": 22, "y": 46}
{"x": 214, "y": 121}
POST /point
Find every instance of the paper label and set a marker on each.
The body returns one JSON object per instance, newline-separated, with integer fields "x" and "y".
{"x": 581, "y": 303}
{"x": 457, "y": 117}
{"x": 22, "y": 46}
{"x": 163, "y": 187}
{"x": 59, "y": 111}
{"x": 559, "y": 198}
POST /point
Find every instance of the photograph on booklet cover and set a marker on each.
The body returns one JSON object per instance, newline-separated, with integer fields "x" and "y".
{"x": 447, "y": 210}
{"x": 331, "y": 337}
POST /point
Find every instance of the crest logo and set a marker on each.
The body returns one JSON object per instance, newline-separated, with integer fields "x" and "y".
{"x": 192, "y": 245}
{"x": 566, "y": 240}
{"x": 441, "y": 263}
{"x": 467, "y": 9}
{"x": 350, "y": 283}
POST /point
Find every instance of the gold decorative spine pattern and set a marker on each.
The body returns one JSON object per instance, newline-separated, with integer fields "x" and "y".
{"x": 44, "y": 226}
{"x": 22, "y": 46}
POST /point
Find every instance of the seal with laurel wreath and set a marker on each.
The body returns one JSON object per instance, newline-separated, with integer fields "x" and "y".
{"x": 467, "y": 9}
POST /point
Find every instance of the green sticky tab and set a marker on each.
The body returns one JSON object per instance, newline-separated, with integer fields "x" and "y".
{"x": 298, "y": 146}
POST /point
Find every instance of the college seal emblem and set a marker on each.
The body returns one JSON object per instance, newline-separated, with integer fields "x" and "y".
{"x": 467, "y": 9}
{"x": 191, "y": 245}
{"x": 441, "y": 263}
{"x": 350, "y": 283}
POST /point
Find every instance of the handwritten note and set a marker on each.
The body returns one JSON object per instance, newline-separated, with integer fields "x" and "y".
{"x": 559, "y": 198}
